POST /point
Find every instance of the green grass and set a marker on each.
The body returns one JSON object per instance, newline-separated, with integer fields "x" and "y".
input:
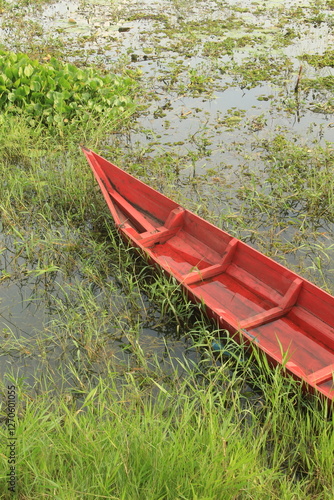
{"x": 144, "y": 437}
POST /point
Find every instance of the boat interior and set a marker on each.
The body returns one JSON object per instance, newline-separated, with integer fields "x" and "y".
{"x": 245, "y": 291}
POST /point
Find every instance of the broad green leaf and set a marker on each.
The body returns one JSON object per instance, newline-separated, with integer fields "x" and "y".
{"x": 64, "y": 83}
{"x": 58, "y": 118}
{"x": 37, "y": 97}
{"x": 80, "y": 75}
{"x": 86, "y": 96}
{"x": 51, "y": 82}
{"x": 22, "y": 91}
{"x": 13, "y": 57}
{"x": 35, "y": 86}
{"x": 66, "y": 94}
{"x": 28, "y": 70}
{"x": 95, "y": 83}
{"x": 38, "y": 109}
{"x": 69, "y": 68}
{"x": 51, "y": 96}
{"x": 55, "y": 92}
{"x": 9, "y": 73}
{"x": 4, "y": 79}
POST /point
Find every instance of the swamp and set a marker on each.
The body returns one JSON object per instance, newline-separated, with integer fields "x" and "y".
{"x": 109, "y": 383}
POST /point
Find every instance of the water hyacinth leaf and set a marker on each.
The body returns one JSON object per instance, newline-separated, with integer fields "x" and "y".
{"x": 70, "y": 69}
{"x": 22, "y": 91}
{"x": 58, "y": 96}
{"x": 50, "y": 82}
{"x": 80, "y": 75}
{"x": 64, "y": 83}
{"x": 41, "y": 89}
{"x": 95, "y": 83}
{"x": 106, "y": 92}
{"x": 28, "y": 70}
{"x": 16, "y": 72}
{"x": 35, "y": 86}
{"x": 118, "y": 101}
{"x": 9, "y": 73}
{"x": 62, "y": 108}
{"x": 50, "y": 96}
{"x": 66, "y": 94}
{"x": 4, "y": 79}
{"x": 58, "y": 119}
{"x": 12, "y": 57}
{"x": 85, "y": 96}
{"x": 37, "y": 97}
{"x": 36, "y": 109}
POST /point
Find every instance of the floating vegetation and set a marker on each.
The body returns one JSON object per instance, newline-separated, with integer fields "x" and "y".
{"x": 320, "y": 61}
{"x": 320, "y": 83}
{"x": 256, "y": 69}
{"x": 54, "y": 93}
{"x": 227, "y": 46}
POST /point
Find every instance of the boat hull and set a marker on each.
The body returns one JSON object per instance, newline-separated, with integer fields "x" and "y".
{"x": 258, "y": 301}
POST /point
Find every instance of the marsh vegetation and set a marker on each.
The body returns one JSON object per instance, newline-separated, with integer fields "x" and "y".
{"x": 120, "y": 393}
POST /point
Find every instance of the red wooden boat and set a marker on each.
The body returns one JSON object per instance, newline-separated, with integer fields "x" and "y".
{"x": 256, "y": 299}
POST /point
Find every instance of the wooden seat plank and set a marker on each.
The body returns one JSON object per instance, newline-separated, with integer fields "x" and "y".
{"x": 216, "y": 269}
{"x": 322, "y": 375}
{"x": 283, "y": 308}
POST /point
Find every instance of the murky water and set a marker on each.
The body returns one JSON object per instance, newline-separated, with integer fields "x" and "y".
{"x": 35, "y": 337}
{"x": 185, "y": 116}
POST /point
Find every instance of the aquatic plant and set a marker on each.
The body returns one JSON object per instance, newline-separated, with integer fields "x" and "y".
{"x": 320, "y": 61}
{"x": 54, "y": 93}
